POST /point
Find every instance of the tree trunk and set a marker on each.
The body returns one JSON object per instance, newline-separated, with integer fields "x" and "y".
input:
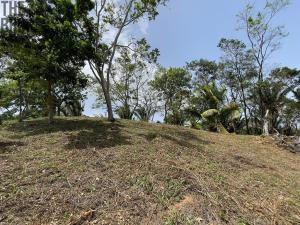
{"x": 257, "y": 126}
{"x": 58, "y": 109}
{"x": 247, "y": 121}
{"x": 108, "y": 103}
{"x": 245, "y": 108}
{"x": 265, "y": 131}
{"x": 20, "y": 101}
{"x": 99, "y": 75}
{"x": 50, "y": 103}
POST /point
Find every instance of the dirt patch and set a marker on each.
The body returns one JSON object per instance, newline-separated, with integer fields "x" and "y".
{"x": 187, "y": 200}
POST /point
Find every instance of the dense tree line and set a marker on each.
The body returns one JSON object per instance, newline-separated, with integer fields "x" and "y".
{"x": 43, "y": 56}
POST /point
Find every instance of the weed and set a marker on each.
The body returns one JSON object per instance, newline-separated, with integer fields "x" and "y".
{"x": 177, "y": 218}
{"x": 145, "y": 183}
{"x": 172, "y": 192}
{"x": 243, "y": 221}
{"x": 152, "y": 135}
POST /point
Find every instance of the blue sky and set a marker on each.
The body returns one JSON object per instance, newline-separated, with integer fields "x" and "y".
{"x": 191, "y": 29}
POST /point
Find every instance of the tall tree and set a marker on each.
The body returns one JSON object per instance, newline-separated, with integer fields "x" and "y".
{"x": 264, "y": 39}
{"x": 284, "y": 82}
{"x": 112, "y": 16}
{"x": 239, "y": 69}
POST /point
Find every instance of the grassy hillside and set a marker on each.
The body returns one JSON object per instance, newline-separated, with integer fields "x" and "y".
{"x": 88, "y": 171}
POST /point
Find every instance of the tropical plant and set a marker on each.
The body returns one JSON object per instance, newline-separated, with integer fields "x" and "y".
{"x": 219, "y": 117}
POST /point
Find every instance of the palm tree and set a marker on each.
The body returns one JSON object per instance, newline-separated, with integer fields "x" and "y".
{"x": 219, "y": 117}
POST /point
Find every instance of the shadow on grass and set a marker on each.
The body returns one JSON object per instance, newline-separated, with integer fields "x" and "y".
{"x": 9, "y": 146}
{"x": 81, "y": 133}
{"x": 183, "y": 138}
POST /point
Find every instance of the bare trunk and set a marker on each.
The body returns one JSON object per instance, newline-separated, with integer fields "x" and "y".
{"x": 107, "y": 97}
{"x": 265, "y": 131}
{"x": 247, "y": 121}
{"x": 106, "y": 89}
{"x": 245, "y": 109}
{"x": 20, "y": 101}
{"x": 109, "y": 107}
{"x": 50, "y": 103}
{"x": 99, "y": 75}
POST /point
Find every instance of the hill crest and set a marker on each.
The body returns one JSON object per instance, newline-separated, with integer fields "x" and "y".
{"x": 96, "y": 172}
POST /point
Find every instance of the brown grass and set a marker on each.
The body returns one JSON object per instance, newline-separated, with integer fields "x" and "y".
{"x": 139, "y": 173}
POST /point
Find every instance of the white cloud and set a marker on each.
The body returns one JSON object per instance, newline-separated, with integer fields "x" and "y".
{"x": 143, "y": 25}
{"x": 110, "y": 35}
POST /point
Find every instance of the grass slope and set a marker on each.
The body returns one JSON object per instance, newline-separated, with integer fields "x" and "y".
{"x": 88, "y": 171}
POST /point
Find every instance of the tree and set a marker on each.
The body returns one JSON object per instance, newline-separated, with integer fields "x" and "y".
{"x": 27, "y": 94}
{"x": 148, "y": 106}
{"x": 8, "y": 94}
{"x": 264, "y": 39}
{"x": 297, "y": 98}
{"x": 282, "y": 82}
{"x": 69, "y": 96}
{"x": 173, "y": 86}
{"x": 45, "y": 42}
{"x": 130, "y": 78}
{"x": 238, "y": 72}
{"x": 16, "y": 76}
{"x": 219, "y": 117}
{"x": 274, "y": 95}
{"x": 204, "y": 71}
{"x": 116, "y": 16}
{"x": 292, "y": 112}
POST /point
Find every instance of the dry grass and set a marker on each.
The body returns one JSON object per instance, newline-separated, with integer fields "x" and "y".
{"x": 88, "y": 171}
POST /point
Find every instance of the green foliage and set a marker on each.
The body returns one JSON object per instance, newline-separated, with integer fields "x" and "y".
{"x": 42, "y": 59}
{"x": 176, "y": 116}
{"x": 147, "y": 106}
{"x": 204, "y": 98}
{"x": 237, "y": 73}
{"x": 44, "y": 44}
{"x": 204, "y": 71}
{"x": 101, "y": 53}
{"x": 264, "y": 39}
{"x": 210, "y": 114}
{"x": 148, "y": 7}
{"x": 8, "y": 94}
{"x": 173, "y": 87}
{"x": 219, "y": 116}
{"x": 130, "y": 83}
{"x": 275, "y": 93}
